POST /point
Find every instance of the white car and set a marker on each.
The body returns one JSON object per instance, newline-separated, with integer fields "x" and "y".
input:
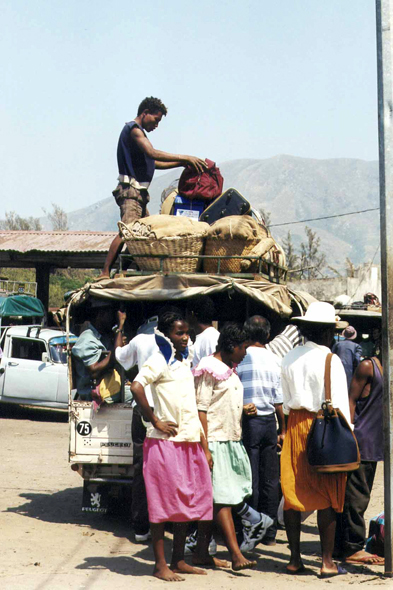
{"x": 33, "y": 367}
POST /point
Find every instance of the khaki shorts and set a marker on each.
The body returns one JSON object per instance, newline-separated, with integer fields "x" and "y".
{"x": 132, "y": 202}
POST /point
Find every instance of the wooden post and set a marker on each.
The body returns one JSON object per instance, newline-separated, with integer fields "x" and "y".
{"x": 384, "y": 13}
{"x": 42, "y": 274}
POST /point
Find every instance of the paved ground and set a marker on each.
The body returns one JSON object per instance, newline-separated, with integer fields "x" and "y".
{"x": 47, "y": 543}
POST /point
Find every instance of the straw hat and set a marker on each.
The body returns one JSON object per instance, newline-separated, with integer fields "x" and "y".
{"x": 320, "y": 312}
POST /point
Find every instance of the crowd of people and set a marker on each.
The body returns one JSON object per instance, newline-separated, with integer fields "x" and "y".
{"x": 213, "y": 413}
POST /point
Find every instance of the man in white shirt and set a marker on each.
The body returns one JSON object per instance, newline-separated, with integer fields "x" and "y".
{"x": 201, "y": 313}
{"x": 303, "y": 386}
{"x": 136, "y": 353}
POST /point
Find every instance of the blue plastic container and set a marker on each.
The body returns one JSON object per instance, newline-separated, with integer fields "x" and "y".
{"x": 184, "y": 207}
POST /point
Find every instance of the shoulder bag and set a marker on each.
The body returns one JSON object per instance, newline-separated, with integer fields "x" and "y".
{"x": 331, "y": 444}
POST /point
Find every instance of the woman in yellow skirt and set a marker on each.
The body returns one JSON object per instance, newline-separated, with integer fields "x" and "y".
{"x": 303, "y": 370}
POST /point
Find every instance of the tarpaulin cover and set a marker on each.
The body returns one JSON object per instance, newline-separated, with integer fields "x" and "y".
{"x": 21, "y": 305}
{"x": 158, "y": 287}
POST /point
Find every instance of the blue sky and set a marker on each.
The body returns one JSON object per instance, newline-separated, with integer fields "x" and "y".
{"x": 241, "y": 79}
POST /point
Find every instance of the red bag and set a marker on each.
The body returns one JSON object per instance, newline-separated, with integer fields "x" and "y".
{"x": 206, "y": 186}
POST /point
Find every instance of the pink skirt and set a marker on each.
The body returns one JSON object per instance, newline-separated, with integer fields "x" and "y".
{"x": 178, "y": 482}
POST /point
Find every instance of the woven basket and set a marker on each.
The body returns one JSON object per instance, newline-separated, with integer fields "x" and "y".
{"x": 186, "y": 245}
{"x": 231, "y": 247}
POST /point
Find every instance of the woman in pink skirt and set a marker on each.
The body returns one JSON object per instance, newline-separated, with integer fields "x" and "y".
{"x": 175, "y": 468}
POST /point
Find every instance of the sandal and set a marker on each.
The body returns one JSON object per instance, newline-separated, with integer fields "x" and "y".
{"x": 371, "y": 559}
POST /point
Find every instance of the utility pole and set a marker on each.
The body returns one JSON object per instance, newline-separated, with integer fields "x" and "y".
{"x": 384, "y": 14}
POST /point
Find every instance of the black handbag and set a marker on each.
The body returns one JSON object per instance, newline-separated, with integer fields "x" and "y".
{"x": 331, "y": 445}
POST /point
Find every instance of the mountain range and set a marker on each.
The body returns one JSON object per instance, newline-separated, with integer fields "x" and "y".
{"x": 291, "y": 189}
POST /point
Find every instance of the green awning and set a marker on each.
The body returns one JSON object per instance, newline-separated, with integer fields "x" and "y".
{"x": 21, "y": 305}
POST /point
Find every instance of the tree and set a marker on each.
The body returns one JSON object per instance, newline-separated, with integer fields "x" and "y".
{"x": 311, "y": 260}
{"x": 351, "y": 270}
{"x": 266, "y": 215}
{"x": 58, "y": 218}
{"x": 292, "y": 259}
{"x": 15, "y": 222}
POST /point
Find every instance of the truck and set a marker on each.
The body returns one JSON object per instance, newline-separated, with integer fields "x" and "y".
{"x": 33, "y": 366}
{"x": 100, "y": 447}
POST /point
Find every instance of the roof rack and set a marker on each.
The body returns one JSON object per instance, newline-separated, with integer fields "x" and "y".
{"x": 11, "y": 287}
{"x": 271, "y": 271}
{"x": 30, "y": 328}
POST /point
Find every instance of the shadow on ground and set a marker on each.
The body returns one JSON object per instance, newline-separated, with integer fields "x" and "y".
{"x": 64, "y": 507}
{"x": 15, "y": 412}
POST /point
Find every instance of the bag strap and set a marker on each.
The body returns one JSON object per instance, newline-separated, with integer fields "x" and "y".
{"x": 328, "y": 389}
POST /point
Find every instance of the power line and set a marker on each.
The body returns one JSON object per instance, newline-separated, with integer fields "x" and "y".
{"x": 326, "y": 217}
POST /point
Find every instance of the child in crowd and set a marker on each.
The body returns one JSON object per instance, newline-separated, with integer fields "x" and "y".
{"x": 175, "y": 466}
{"x": 219, "y": 394}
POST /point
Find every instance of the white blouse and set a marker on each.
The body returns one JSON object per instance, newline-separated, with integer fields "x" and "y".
{"x": 302, "y": 379}
{"x": 219, "y": 393}
{"x": 172, "y": 388}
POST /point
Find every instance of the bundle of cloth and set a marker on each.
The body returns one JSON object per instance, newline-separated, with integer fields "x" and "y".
{"x": 157, "y": 227}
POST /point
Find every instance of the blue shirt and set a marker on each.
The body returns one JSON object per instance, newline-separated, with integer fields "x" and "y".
{"x": 86, "y": 351}
{"x": 260, "y": 374}
{"x": 349, "y": 352}
{"x": 131, "y": 160}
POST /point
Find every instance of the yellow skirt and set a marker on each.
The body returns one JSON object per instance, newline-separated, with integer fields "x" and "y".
{"x": 304, "y": 489}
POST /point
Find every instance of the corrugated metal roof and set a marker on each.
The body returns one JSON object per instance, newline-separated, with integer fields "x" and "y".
{"x": 55, "y": 241}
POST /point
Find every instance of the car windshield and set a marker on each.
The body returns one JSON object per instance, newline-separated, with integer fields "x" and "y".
{"x": 58, "y": 348}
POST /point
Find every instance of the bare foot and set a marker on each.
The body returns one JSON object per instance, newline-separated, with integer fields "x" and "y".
{"x": 241, "y": 563}
{"x": 209, "y": 561}
{"x": 364, "y": 558}
{"x": 181, "y": 567}
{"x": 166, "y": 574}
{"x": 294, "y": 567}
{"x": 331, "y": 572}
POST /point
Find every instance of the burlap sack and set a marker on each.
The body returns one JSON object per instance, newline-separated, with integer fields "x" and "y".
{"x": 242, "y": 227}
{"x": 164, "y": 226}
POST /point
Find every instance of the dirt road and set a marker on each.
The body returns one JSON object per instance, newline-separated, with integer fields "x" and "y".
{"x": 47, "y": 543}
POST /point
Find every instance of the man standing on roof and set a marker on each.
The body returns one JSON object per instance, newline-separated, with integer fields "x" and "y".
{"x": 137, "y": 161}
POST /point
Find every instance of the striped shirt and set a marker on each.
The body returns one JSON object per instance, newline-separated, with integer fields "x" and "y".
{"x": 286, "y": 341}
{"x": 260, "y": 374}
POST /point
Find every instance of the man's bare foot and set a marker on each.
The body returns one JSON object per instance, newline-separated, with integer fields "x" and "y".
{"x": 166, "y": 574}
{"x": 364, "y": 558}
{"x": 181, "y": 567}
{"x": 241, "y": 563}
{"x": 210, "y": 561}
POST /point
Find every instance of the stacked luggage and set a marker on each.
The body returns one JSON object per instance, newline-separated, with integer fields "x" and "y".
{"x": 196, "y": 218}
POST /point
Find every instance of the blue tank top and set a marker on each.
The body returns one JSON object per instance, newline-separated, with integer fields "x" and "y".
{"x": 369, "y": 419}
{"x": 131, "y": 160}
